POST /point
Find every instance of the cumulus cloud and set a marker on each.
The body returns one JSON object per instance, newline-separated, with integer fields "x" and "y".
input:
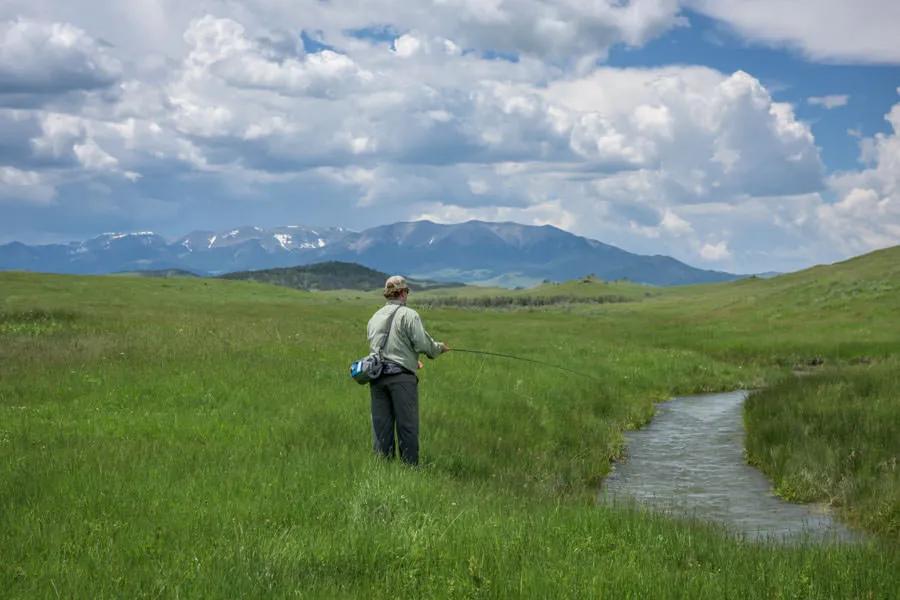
{"x": 697, "y": 132}
{"x": 555, "y": 29}
{"x": 407, "y": 45}
{"x": 649, "y": 223}
{"x": 41, "y": 58}
{"x": 92, "y": 156}
{"x": 74, "y": 141}
{"x": 866, "y": 214}
{"x": 17, "y": 185}
{"x": 829, "y": 102}
{"x": 715, "y": 252}
{"x": 221, "y": 47}
{"x": 829, "y": 30}
{"x": 550, "y": 212}
{"x": 59, "y": 135}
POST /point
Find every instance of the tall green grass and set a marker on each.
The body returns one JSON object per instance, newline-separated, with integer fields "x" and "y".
{"x": 169, "y": 438}
{"x": 834, "y": 438}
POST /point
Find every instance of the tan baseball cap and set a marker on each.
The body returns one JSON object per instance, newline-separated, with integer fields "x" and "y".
{"x": 394, "y": 285}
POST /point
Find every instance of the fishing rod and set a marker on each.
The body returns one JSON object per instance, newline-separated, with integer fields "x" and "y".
{"x": 531, "y": 360}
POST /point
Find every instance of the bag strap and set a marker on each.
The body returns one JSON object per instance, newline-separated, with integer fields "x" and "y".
{"x": 388, "y": 334}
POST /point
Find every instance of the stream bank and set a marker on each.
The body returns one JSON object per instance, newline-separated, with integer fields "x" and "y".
{"x": 689, "y": 461}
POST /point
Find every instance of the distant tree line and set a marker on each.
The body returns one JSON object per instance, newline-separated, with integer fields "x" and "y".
{"x": 518, "y": 301}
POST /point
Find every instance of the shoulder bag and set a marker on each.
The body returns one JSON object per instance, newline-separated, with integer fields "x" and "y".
{"x": 369, "y": 368}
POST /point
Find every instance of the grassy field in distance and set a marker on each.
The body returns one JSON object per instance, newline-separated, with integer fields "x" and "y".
{"x": 188, "y": 437}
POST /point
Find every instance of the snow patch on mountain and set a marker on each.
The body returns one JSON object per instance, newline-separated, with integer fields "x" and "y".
{"x": 284, "y": 239}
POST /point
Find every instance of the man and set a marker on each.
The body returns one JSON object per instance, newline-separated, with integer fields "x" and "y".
{"x": 395, "y": 395}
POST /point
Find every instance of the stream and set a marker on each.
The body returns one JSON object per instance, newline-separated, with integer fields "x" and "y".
{"x": 689, "y": 461}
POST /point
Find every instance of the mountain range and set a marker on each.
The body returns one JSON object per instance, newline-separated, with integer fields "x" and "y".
{"x": 480, "y": 252}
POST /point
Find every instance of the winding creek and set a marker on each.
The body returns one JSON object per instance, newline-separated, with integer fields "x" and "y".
{"x": 689, "y": 461}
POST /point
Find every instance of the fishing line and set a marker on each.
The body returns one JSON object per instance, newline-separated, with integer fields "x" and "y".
{"x": 531, "y": 360}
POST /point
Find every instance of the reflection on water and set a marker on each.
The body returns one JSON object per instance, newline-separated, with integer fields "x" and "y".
{"x": 690, "y": 460}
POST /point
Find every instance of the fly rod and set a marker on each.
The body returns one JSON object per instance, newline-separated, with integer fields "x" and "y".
{"x": 531, "y": 360}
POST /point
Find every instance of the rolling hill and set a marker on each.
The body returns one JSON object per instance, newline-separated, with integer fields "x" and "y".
{"x": 332, "y": 275}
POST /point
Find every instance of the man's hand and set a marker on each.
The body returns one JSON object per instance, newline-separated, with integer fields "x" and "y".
{"x": 420, "y": 364}
{"x": 444, "y": 347}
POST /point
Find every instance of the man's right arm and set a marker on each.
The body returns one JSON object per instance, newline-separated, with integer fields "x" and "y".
{"x": 421, "y": 341}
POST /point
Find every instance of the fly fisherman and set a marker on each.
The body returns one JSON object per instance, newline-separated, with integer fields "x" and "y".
{"x": 395, "y": 394}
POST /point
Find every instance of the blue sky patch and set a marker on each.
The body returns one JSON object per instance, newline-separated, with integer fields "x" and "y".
{"x": 377, "y": 33}
{"x": 313, "y": 42}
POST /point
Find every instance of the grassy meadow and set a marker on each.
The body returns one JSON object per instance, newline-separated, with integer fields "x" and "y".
{"x": 201, "y": 438}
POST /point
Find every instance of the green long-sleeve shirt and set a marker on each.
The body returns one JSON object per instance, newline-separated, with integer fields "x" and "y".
{"x": 408, "y": 336}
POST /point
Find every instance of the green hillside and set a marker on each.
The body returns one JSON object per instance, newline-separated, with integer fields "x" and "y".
{"x": 332, "y": 275}
{"x": 201, "y": 438}
{"x": 588, "y": 290}
{"x": 836, "y": 312}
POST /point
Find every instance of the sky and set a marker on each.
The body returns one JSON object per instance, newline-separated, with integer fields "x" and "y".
{"x": 734, "y": 135}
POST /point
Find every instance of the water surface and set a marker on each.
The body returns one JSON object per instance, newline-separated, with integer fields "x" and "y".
{"x": 690, "y": 461}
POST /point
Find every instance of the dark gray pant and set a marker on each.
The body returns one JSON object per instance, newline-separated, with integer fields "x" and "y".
{"x": 395, "y": 402}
